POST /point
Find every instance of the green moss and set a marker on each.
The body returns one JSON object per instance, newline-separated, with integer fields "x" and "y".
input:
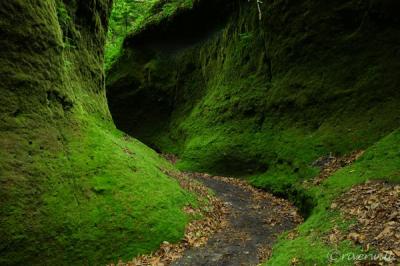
{"x": 309, "y": 248}
{"x": 255, "y": 96}
{"x": 74, "y": 190}
{"x": 265, "y": 99}
{"x": 63, "y": 15}
{"x": 380, "y": 162}
{"x": 103, "y": 198}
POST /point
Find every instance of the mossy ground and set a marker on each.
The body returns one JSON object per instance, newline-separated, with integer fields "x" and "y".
{"x": 102, "y": 197}
{"x": 380, "y": 162}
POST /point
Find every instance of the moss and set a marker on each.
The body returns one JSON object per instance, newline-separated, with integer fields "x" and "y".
{"x": 380, "y": 162}
{"x": 264, "y": 99}
{"x": 261, "y": 99}
{"x": 74, "y": 190}
{"x": 251, "y": 96}
{"x": 103, "y": 198}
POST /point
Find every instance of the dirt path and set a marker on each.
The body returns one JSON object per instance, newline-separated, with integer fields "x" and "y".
{"x": 254, "y": 221}
{"x": 239, "y": 225}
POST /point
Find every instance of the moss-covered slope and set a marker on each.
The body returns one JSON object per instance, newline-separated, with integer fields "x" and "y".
{"x": 74, "y": 190}
{"x": 311, "y": 246}
{"x": 244, "y": 95}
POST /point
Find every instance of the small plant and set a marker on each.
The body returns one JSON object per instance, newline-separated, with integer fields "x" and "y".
{"x": 64, "y": 20}
{"x": 67, "y": 65}
{"x": 246, "y": 35}
{"x": 63, "y": 15}
{"x": 68, "y": 43}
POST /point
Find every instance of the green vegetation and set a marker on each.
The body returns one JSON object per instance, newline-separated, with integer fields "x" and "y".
{"x": 125, "y": 15}
{"x": 229, "y": 94}
{"x": 265, "y": 99}
{"x": 74, "y": 190}
{"x": 253, "y": 98}
{"x": 380, "y": 162}
{"x": 133, "y": 15}
{"x": 108, "y": 199}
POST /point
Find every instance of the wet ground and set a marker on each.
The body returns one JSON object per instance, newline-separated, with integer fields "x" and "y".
{"x": 254, "y": 221}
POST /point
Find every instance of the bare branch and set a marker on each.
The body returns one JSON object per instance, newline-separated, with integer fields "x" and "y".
{"x": 259, "y": 8}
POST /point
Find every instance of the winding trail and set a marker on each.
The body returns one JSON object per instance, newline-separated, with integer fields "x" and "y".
{"x": 254, "y": 221}
{"x": 240, "y": 224}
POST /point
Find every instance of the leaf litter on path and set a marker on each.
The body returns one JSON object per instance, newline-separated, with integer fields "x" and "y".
{"x": 238, "y": 225}
{"x": 213, "y": 213}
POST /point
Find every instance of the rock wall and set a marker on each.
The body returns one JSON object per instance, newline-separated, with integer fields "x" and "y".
{"x": 250, "y": 96}
{"x": 72, "y": 186}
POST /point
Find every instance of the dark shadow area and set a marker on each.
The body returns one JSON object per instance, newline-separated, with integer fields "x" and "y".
{"x": 301, "y": 199}
{"x": 187, "y": 27}
{"x": 142, "y": 100}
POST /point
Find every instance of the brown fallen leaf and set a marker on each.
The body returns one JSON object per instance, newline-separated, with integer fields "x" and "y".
{"x": 357, "y": 238}
{"x": 375, "y": 206}
{"x": 385, "y": 233}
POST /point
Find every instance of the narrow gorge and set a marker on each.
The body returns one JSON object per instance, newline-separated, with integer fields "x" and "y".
{"x": 199, "y": 132}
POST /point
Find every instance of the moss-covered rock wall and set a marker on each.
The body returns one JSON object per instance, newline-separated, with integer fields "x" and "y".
{"x": 246, "y": 96}
{"x": 74, "y": 190}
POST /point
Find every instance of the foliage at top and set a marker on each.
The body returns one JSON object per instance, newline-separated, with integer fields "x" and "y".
{"x": 124, "y": 16}
{"x": 132, "y": 15}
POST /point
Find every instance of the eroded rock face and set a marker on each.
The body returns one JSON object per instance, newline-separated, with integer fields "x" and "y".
{"x": 310, "y": 78}
{"x": 146, "y": 109}
{"x": 73, "y": 189}
{"x": 51, "y": 60}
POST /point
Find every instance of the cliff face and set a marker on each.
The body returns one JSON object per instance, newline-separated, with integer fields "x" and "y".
{"x": 233, "y": 94}
{"x": 244, "y": 96}
{"x": 73, "y": 188}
